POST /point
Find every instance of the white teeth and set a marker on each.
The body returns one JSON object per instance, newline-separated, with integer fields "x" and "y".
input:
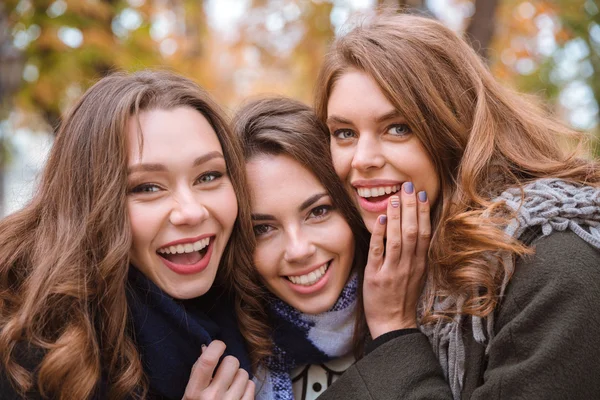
{"x": 377, "y": 191}
{"x": 185, "y": 248}
{"x": 311, "y": 278}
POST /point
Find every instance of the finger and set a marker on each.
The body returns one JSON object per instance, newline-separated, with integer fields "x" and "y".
{"x": 238, "y": 386}
{"x": 393, "y": 239}
{"x": 225, "y": 374}
{"x": 203, "y": 369}
{"x": 424, "y": 219}
{"x": 410, "y": 228}
{"x": 376, "y": 247}
{"x": 250, "y": 390}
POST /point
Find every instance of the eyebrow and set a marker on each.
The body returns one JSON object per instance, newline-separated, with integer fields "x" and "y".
{"x": 160, "y": 167}
{"x": 390, "y": 115}
{"x": 387, "y": 116}
{"x": 305, "y": 204}
{"x": 311, "y": 200}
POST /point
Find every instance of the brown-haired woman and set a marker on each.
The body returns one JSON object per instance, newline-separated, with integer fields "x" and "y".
{"x": 105, "y": 274}
{"x": 511, "y": 276}
{"x": 310, "y": 247}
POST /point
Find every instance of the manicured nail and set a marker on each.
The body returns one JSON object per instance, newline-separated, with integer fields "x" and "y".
{"x": 395, "y": 201}
{"x": 422, "y": 197}
{"x": 382, "y": 219}
{"x": 408, "y": 187}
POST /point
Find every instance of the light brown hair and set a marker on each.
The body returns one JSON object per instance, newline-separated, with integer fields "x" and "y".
{"x": 64, "y": 257}
{"x": 283, "y": 126}
{"x": 482, "y": 138}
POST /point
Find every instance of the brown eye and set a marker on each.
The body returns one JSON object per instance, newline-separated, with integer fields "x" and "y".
{"x": 262, "y": 229}
{"x": 320, "y": 211}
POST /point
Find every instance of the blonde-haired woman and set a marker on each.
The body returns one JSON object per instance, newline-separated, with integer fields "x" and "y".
{"x": 510, "y": 279}
{"x": 107, "y": 277}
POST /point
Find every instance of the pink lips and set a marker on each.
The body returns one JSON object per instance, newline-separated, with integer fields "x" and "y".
{"x": 379, "y": 206}
{"x": 185, "y": 269}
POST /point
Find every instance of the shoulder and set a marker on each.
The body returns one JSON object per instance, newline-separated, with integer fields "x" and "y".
{"x": 564, "y": 269}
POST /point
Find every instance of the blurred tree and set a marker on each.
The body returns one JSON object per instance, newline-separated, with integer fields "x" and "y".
{"x": 481, "y": 26}
{"x": 552, "y": 48}
{"x": 403, "y": 4}
{"x": 69, "y": 44}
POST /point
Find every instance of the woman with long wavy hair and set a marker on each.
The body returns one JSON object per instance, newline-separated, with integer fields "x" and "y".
{"x": 107, "y": 276}
{"x": 310, "y": 251}
{"x": 498, "y": 299}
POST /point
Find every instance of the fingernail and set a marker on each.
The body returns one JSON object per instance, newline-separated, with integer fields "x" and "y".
{"x": 422, "y": 197}
{"x": 202, "y": 347}
{"x": 382, "y": 219}
{"x": 395, "y": 201}
{"x": 408, "y": 187}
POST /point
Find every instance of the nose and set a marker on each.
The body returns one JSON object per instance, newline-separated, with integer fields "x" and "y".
{"x": 188, "y": 209}
{"x": 299, "y": 248}
{"x": 367, "y": 154}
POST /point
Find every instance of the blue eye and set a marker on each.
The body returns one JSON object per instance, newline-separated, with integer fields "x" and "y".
{"x": 399, "y": 130}
{"x": 145, "y": 188}
{"x": 262, "y": 229}
{"x": 344, "y": 134}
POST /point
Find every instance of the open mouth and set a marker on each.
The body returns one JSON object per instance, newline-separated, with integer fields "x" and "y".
{"x": 312, "y": 277}
{"x": 377, "y": 194}
{"x": 185, "y": 254}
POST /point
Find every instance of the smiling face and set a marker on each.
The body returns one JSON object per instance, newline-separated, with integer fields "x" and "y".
{"x": 374, "y": 151}
{"x": 181, "y": 203}
{"x": 304, "y": 246}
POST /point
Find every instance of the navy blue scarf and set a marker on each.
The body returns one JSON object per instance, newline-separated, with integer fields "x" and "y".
{"x": 302, "y": 339}
{"x": 170, "y": 332}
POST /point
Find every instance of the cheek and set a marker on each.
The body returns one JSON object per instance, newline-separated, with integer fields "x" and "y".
{"x": 342, "y": 242}
{"x": 264, "y": 260}
{"x": 342, "y": 161}
{"x": 141, "y": 221}
{"x": 226, "y": 207}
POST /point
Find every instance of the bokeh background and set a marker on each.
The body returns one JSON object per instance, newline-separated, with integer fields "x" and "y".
{"x": 51, "y": 51}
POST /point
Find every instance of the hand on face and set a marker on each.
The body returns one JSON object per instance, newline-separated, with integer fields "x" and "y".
{"x": 230, "y": 382}
{"x": 395, "y": 271}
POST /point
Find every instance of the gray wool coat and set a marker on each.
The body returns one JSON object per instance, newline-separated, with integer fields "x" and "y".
{"x": 546, "y": 344}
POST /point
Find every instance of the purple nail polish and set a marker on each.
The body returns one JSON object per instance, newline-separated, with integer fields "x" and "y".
{"x": 422, "y": 197}
{"x": 395, "y": 201}
{"x": 408, "y": 187}
{"x": 382, "y": 219}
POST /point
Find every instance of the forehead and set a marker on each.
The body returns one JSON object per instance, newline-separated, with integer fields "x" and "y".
{"x": 279, "y": 181}
{"x": 356, "y": 92}
{"x": 168, "y": 133}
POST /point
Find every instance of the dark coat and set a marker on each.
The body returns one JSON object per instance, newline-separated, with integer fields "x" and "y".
{"x": 546, "y": 344}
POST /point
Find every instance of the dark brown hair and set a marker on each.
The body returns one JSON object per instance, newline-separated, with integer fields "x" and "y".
{"x": 482, "y": 138}
{"x": 282, "y": 126}
{"x": 64, "y": 257}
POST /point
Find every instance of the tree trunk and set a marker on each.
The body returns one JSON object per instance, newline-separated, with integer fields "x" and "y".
{"x": 480, "y": 31}
{"x": 403, "y": 4}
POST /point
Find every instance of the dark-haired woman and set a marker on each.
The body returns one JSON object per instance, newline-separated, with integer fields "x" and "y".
{"x": 504, "y": 304}
{"x": 305, "y": 324}
{"x": 108, "y": 277}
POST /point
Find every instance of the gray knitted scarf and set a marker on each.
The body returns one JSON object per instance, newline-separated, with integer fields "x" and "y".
{"x": 552, "y": 204}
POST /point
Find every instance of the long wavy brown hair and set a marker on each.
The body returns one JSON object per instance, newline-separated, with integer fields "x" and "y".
{"x": 283, "y": 126}
{"x": 64, "y": 257}
{"x": 481, "y": 136}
